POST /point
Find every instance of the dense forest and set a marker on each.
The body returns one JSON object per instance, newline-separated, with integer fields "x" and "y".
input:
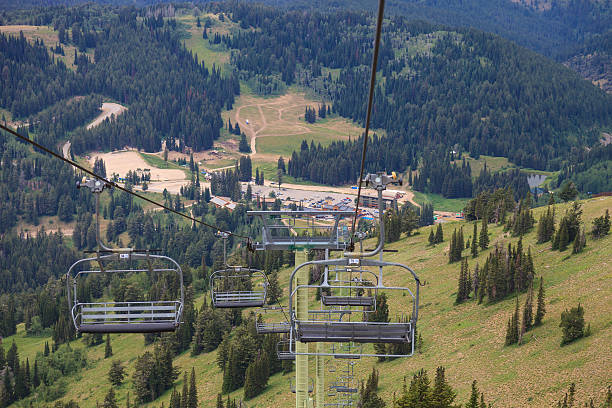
{"x": 470, "y": 89}
{"x": 554, "y": 32}
{"x": 141, "y": 64}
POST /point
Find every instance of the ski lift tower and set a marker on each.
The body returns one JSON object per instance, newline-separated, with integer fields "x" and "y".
{"x": 301, "y": 231}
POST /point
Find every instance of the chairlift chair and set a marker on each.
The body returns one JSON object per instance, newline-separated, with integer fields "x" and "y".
{"x": 310, "y": 385}
{"x": 352, "y": 281}
{"x": 338, "y": 331}
{"x": 149, "y": 316}
{"x": 269, "y": 328}
{"x": 226, "y": 290}
{"x": 283, "y": 350}
{"x": 272, "y": 327}
{"x": 232, "y": 286}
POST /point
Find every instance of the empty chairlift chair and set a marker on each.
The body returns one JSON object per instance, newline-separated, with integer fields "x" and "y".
{"x": 269, "y": 328}
{"x": 310, "y": 385}
{"x": 150, "y": 316}
{"x": 125, "y": 317}
{"x": 342, "y": 330}
{"x": 353, "y": 285}
{"x": 272, "y": 327}
{"x": 336, "y": 331}
{"x": 283, "y": 349}
{"x": 238, "y": 287}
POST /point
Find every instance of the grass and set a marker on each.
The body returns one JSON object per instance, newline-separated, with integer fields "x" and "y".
{"x": 270, "y": 174}
{"x": 209, "y": 54}
{"x": 467, "y": 339}
{"x": 280, "y": 128}
{"x": 50, "y": 39}
{"x": 285, "y": 145}
{"x": 440, "y": 203}
{"x": 156, "y": 161}
{"x": 494, "y": 164}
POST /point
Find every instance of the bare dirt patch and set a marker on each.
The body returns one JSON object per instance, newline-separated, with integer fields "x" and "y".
{"x": 121, "y": 162}
{"x": 109, "y": 109}
{"x": 284, "y": 116}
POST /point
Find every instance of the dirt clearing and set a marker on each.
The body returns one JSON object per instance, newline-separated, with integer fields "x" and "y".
{"x": 108, "y": 109}
{"x": 121, "y": 162}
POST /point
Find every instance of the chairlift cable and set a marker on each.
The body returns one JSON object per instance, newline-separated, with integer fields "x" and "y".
{"x": 379, "y": 23}
{"x": 119, "y": 187}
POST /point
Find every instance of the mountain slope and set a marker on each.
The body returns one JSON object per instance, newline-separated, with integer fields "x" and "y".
{"x": 467, "y": 339}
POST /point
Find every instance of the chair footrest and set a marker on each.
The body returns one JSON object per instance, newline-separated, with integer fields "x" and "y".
{"x": 128, "y": 327}
{"x": 347, "y": 300}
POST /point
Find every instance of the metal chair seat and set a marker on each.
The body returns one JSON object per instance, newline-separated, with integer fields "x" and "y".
{"x": 345, "y": 389}
{"x": 269, "y": 328}
{"x": 128, "y": 317}
{"x": 358, "y": 332}
{"x": 238, "y": 299}
{"x": 364, "y": 301}
{"x": 347, "y": 356}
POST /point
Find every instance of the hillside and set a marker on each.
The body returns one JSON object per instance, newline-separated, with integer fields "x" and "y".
{"x": 467, "y": 339}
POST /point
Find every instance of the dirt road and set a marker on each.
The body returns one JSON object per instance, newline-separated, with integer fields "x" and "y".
{"x": 108, "y": 109}
{"x": 66, "y": 150}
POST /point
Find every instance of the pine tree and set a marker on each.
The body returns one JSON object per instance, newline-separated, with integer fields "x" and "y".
{"x": 483, "y": 404}
{"x": 274, "y": 290}
{"x": 185, "y": 393}
{"x": 512, "y": 330}
{"x": 442, "y": 395}
{"x": 35, "y": 375}
{"x": 219, "y": 401}
{"x": 439, "y": 234}
{"x": 541, "y": 307}
{"x": 109, "y": 400}
{"x": 572, "y": 323}
{"x": 563, "y": 237}
{"x": 46, "y": 352}
{"x": 193, "y": 392}
{"x": 463, "y": 290}
{"x": 484, "y": 234}
{"x": 243, "y": 146}
{"x": 528, "y": 310}
{"x": 175, "y": 399}
{"x": 601, "y": 225}
{"x": 432, "y": 237}
{"x": 418, "y": 394}
{"x": 116, "y": 373}
{"x": 474, "y": 241}
{"x": 108, "y": 350}
{"x": 250, "y": 382}
{"x": 473, "y": 402}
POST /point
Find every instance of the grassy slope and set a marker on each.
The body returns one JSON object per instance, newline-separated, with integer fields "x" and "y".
{"x": 441, "y": 203}
{"x": 209, "y": 53}
{"x": 467, "y": 339}
{"x": 50, "y": 38}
